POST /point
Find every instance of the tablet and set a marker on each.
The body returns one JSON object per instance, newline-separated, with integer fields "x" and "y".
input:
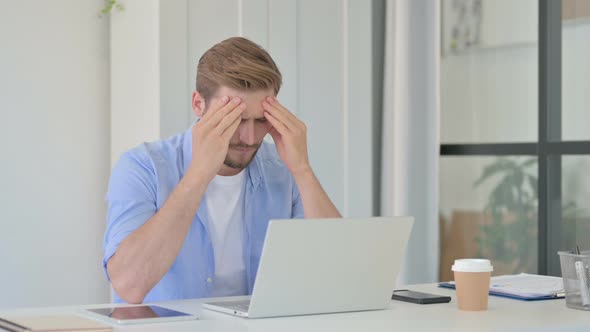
{"x": 139, "y": 314}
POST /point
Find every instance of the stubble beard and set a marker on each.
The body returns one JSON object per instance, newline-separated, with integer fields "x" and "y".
{"x": 237, "y": 164}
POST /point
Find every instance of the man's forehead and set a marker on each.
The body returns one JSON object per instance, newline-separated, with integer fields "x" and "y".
{"x": 252, "y": 99}
{"x": 246, "y": 95}
{"x": 253, "y": 112}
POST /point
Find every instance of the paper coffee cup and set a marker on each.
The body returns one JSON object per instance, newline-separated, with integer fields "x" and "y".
{"x": 472, "y": 282}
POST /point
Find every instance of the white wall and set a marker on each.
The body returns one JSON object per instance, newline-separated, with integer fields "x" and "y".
{"x": 324, "y": 49}
{"x": 135, "y": 76}
{"x": 576, "y": 80}
{"x": 54, "y": 138}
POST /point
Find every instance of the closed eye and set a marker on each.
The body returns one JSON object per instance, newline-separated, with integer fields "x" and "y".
{"x": 258, "y": 120}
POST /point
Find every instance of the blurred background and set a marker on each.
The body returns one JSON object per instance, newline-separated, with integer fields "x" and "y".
{"x": 470, "y": 115}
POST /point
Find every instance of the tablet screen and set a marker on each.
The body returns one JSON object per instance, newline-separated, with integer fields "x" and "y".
{"x": 138, "y": 312}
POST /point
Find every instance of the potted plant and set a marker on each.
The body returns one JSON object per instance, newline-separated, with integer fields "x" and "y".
{"x": 108, "y": 7}
{"x": 509, "y": 235}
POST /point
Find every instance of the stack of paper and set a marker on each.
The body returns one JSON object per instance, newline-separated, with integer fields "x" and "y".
{"x": 523, "y": 286}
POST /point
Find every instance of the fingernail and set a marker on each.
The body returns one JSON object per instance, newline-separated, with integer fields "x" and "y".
{"x": 269, "y": 98}
{"x": 236, "y": 100}
{"x": 242, "y": 106}
{"x": 225, "y": 99}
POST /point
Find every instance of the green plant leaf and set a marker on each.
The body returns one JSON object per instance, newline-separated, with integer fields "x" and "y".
{"x": 503, "y": 195}
{"x": 528, "y": 162}
{"x": 500, "y": 165}
{"x": 512, "y": 204}
{"x": 534, "y": 185}
{"x": 108, "y": 7}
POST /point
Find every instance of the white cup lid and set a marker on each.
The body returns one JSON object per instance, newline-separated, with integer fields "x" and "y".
{"x": 472, "y": 265}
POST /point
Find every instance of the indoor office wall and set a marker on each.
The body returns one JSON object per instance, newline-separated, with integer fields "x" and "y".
{"x": 54, "y": 137}
{"x": 134, "y": 76}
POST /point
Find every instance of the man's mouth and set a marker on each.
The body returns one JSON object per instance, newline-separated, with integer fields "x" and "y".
{"x": 242, "y": 147}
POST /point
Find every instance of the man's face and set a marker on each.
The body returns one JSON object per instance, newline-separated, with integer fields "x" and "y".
{"x": 248, "y": 137}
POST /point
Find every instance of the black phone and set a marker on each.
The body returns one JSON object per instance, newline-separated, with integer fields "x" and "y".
{"x": 419, "y": 297}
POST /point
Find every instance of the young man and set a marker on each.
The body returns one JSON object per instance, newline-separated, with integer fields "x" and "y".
{"x": 187, "y": 215}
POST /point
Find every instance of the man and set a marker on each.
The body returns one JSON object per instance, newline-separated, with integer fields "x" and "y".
{"x": 187, "y": 215}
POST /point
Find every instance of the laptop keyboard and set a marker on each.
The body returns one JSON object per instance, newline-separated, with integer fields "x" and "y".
{"x": 241, "y": 305}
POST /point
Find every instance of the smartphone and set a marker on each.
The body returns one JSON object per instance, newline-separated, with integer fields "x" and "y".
{"x": 419, "y": 297}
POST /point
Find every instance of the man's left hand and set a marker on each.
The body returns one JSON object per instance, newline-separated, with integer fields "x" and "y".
{"x": 289, "y": 134}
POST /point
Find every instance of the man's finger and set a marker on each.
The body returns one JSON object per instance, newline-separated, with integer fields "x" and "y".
{"x": 276, "y": 124}
{"x": 219, "y": 114}
{"x": 274, "y": 102}
{"x": 216, "y": 103}
{"x": 230, "y": 131}
{"x": 275, "y": 135}
{"x": 278, "y": 115}
{"x": 229, "y": 119}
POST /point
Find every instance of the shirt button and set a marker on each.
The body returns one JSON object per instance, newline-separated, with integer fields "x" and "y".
{"x": 209, "y": 280}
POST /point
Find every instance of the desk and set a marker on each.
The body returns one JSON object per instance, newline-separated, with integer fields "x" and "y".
{"x": 503, "y": 315}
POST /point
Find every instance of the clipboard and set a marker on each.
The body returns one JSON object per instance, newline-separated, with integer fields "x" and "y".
{"x": 538, "y": 287}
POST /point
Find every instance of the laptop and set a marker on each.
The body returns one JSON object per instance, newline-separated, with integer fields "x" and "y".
{"x": 316, "y": 266}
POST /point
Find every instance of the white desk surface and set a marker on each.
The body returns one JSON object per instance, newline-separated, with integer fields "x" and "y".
{"x": 503, "y": 315}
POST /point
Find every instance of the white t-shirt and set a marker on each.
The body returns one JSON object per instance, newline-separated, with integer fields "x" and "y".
{"x": 225, "y": 204}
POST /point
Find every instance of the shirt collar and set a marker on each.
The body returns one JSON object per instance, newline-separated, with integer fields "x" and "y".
{"x": 253, "y": 170}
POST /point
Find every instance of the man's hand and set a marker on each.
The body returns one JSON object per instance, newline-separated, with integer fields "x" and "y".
{"x": 289, "y": 134}
{"x": 211, "y": 136}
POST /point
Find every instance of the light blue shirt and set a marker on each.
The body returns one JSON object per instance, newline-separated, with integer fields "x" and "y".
{"x": 144, "y": 177}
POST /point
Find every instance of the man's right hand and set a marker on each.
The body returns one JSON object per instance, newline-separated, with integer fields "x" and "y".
{"x": 146, "y": 255}
{"x": 211, "y": 136}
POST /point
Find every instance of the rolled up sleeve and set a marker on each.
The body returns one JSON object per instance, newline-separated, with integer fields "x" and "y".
{"x": 131, "y": 200}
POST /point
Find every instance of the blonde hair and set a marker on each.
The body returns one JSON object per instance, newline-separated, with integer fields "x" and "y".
{"x": 237, "y": 63}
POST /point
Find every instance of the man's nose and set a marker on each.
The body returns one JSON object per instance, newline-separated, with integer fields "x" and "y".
{"x": 247, "y": 132}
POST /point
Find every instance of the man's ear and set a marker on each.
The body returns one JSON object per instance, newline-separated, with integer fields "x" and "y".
{"x": 198, "y": 104}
